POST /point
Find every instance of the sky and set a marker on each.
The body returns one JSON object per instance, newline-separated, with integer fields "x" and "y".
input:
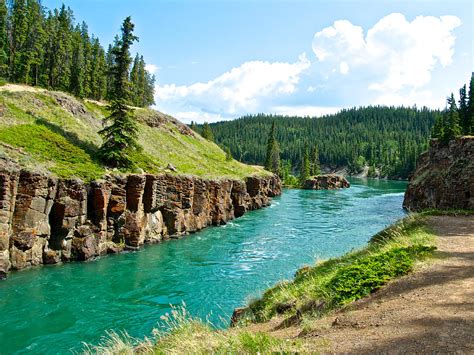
{"x": 218, "y": 60}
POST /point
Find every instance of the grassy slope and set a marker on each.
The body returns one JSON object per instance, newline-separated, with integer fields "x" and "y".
{"x": 55, "y": 132}
{"x": 315, "y": 291}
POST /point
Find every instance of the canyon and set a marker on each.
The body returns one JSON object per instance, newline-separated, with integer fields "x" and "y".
{"x": 47, "y": 220}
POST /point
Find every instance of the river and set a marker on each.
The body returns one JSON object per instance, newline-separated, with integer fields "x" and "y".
{"x": 52, "y": 309}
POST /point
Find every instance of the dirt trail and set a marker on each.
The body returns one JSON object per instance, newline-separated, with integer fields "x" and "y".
{"x": 431, "y": 310}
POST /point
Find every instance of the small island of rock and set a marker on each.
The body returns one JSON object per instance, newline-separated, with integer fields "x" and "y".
{"x": 326, "y": 182}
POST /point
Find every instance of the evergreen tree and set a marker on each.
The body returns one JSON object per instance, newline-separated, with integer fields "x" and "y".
{"x": 207, "y": 132}
{"x": 470, "y": 108}
{"x": 463, "y": 111}
{"x": 120, "y": 135}
{"x": 18, "y": 37}
{"x": 194, "y": 126}
{"x": 76, "y": 84}
{"x": 3, "y": 39}
{"x": 228, "y": 154}
{"x": 305, "y": 171}
{"x": 272, "y": 161}
{"x": 451, "y": 121}
{"x": 315, "y": 165}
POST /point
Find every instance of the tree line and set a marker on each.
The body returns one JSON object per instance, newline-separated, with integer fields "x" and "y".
{"x": 457, "y": 119}
{"x": 387, "y": 139}
{"x": 47, "y": 48}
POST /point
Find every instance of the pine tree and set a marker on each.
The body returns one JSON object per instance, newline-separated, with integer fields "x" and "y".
{"x": 193, "y": 126}
{"x": 315, "y": 165}
{"x": 470, "y": 107}
{"x": 18, "y": 37}
{"x": 451, "y": 126}
{"x": 207, "y": 132}
{"x": 76, "y": 83}
{"x": 228, "y": 154}
{"x": 272, "y": 161}
{"x": 120, "y": 136}
{"x": 463, "y": 111}
{"x": 3, "y": 39}
{"x": 305, "y": 171}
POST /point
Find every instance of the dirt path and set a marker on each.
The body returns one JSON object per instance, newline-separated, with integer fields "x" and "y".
{"x": 431, "y": 310}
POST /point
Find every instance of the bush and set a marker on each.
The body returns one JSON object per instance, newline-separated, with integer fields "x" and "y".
{"x": 367, "y": 275}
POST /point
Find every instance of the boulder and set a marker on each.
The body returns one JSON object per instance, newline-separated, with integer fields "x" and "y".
{"x": 326, "y": 182}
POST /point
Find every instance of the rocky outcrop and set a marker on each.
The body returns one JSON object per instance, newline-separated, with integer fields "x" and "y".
{"x": 44, "y": 220}
{"x": 444, "y": 177}
{"x": 326, "y": 182}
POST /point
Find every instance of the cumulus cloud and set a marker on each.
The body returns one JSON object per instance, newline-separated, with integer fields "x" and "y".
{"x": 151, "y": 68}
{"x": 395, "y": 54}
{"x": 241, "y": 89}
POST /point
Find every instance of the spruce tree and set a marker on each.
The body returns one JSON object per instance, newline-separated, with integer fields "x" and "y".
{"x": 470, "y": 108}
{"x": 3, "y": 39}
{"x": 228, "y": 154}
{"x": 121, "y": 131}
{"x": 451, "y": 121}
{"x": 305, "y": 171}
{"x": 315, "y": 165}
{"x": 272, "y": 161}
{"x": 207, "y": 132}
{"x": 463, "y": 111}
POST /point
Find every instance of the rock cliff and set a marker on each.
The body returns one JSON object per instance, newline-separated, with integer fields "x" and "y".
{"x": 444, "y": 177}
{"x": 326, "y": 182}
{"x": 45, "y": 220}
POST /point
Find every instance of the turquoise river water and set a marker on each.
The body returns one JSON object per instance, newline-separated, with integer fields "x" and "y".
{"x": 53, "y": 309}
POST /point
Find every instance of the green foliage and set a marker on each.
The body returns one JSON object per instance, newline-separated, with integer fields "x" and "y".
{"x": 305, "y": 171}
{"x": 207, "y": 132}
{"x": 121, "y": 132}
{"x": 468, "y": 126}
{"x": 228, "y": 154}
{"x": 388, "y": 137}
{"x": 120, "y": 136}
{"x": 46, "y": 48}
{"x": 368, "y": 274}
{"x": 315, "y": 166}
{"x": 272, "y": 160}
{"x": 456, "y": 120}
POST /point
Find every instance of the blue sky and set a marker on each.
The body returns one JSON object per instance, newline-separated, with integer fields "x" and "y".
{"x": 218, "y": 60}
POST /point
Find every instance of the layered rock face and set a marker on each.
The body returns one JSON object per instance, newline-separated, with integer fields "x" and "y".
{"x": 444, "y": 177}
{"x": 44, "y": 220}
{"x": 326, "y": 182}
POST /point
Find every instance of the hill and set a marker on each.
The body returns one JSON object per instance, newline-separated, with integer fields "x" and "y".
{"x": 54, "y": 132}
{"x": 388, "y": 139}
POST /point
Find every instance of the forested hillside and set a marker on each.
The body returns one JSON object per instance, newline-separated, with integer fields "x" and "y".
{"x": 47, "y": 48}
{"x": 387, "y": 139}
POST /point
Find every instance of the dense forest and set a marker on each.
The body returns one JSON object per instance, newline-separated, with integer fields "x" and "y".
{"x": 47, "y": 48}
{"x": 387, "y": 139}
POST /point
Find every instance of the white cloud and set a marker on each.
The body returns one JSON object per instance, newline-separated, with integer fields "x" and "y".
{"x": 343, "y": 68}
{"x": 151, "y": 68}
{"x": 313, "y": 111}
{"x": 395, "y": 54}
{"x": 242, "y": 89}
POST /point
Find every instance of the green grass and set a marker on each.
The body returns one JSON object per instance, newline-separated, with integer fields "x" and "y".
{"x": 54, "y": 151}
{"x": 58, "y": 133}
{"x": 179, "y": 333}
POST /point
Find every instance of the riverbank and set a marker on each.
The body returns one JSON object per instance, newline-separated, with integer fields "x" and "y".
{"x": 289, "y": 321}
